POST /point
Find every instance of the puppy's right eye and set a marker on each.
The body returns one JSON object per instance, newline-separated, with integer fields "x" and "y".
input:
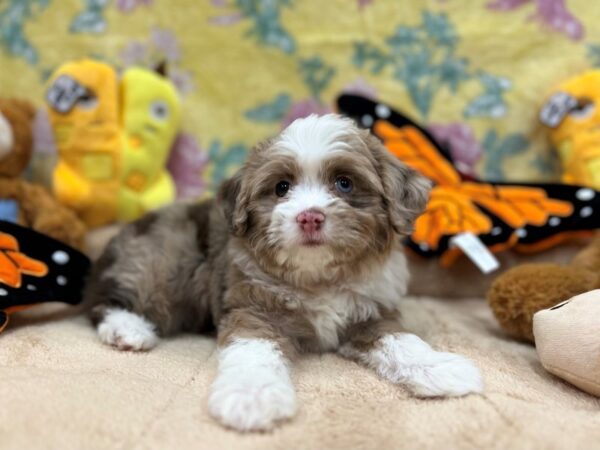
{"x": 282, "y": 188}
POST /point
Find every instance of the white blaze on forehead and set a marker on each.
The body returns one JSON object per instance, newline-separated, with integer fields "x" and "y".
{"x": 6, "y": 137}
{"x": 312, "y": 138}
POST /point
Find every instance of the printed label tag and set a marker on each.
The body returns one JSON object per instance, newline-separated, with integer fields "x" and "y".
{"x": 472, "y": 246}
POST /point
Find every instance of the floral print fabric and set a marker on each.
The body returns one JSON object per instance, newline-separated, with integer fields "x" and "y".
{"x": 473, "y": 72}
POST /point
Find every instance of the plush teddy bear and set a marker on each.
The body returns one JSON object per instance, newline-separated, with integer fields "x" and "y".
{"x": 568, "y": 342}
{"x": 516, "y": 295}
{"x": 21, "y": 202}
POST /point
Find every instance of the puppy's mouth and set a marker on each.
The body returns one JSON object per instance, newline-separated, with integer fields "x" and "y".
{"x": 312, "y": 240}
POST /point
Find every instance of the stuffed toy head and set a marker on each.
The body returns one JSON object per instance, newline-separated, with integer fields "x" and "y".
{"x": 15, "y": 136}
{"x": 520, "y": 292}
{"x": 568, "y": 342}
{"x": 572, "y": 115}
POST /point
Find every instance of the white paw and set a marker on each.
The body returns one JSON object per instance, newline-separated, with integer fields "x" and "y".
{"x": 406, "y": 359}
{"x": 446, "y": 375}
{"x": 253, "y": 390}
{"x": 251, "y": 405}
{"x": 126, "y": 331}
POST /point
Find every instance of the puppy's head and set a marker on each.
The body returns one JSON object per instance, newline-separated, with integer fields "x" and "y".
{"x": 322, "y": 194}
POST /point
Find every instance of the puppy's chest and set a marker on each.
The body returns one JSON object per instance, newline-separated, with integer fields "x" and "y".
{"x": 331, "y": 313}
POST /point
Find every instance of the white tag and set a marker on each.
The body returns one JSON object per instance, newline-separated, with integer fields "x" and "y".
{"x": 472, "y": 246}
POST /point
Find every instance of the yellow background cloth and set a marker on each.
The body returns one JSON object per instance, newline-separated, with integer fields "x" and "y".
{"x": 476, "y": 72}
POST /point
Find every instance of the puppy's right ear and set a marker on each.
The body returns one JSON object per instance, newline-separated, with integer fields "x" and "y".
{"x": 233, "y": 204}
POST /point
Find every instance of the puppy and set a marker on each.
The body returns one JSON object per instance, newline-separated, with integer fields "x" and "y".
{"x": 300, "y": 252}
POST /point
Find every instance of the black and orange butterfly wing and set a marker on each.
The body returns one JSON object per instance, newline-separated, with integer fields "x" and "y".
{"x": 62, "y": 280}
{"x": 526, "y": 216}
{"x": 582, "y": 220}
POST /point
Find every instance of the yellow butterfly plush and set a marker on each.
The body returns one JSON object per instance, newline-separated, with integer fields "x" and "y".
{"x": 113, "y": 137}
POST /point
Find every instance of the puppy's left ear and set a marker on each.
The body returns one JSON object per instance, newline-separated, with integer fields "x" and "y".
{"x": 233, "y": 203}
{"x": 406, "y": 191}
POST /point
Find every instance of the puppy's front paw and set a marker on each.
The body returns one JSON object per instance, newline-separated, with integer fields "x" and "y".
{"x": 126, "y": 331}
{"x": 251, "y": 404}
{"x": 446, "y": 375}
{"x": 405, "y": 358}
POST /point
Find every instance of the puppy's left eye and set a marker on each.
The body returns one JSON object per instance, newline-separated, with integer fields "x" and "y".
{"x": 344, "y": 185}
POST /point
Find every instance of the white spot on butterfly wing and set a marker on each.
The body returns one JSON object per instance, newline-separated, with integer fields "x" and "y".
{"x": 586, "y": 211}
{"x": 61, "y": 280}
{"x": 496, "y": 231}
{"x": 31, "y": 287}
{"x": 424, "y": 247}
{"x": 382, "y": 111}
{"x": 585, "y": 194}
{"x": 521, "y": 232}
{"x": 366, "y": 120}
{"x": 60, "y": 257}
{"x": 3, "y": 292}
{"x": 554, "y": 221}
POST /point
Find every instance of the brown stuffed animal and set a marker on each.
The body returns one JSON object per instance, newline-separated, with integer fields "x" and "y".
{"x": 520, "y": 292}
{"x": 32, "y": 206}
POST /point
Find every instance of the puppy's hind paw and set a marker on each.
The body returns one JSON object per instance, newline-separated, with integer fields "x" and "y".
{"x": 126, "y": 331}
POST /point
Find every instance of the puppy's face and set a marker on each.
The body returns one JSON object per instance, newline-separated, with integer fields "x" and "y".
{"x": 322, "y": 194}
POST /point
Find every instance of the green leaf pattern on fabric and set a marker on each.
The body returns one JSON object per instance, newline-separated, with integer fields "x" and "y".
{"x": 267, "y": 29}
{"x": 272, "y": 111}
{"x": 497, "y": 149}
{"x": 423, "y": 58}
{"x": 13, "y": 16}
{"x": 91, "y": 19}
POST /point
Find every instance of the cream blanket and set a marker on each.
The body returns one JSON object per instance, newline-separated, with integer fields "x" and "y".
{"x": 62, "y": 389}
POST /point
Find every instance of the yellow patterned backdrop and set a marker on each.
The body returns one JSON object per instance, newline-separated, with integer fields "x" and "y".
{"x": 473, "y": 71}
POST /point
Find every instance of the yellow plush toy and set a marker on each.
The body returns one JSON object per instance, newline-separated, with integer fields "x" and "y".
{"x": 113, "y": 139}
{"x": 83, "y": 99}
{"x": 572, "y": 114}
{"x": 151, "y": 115}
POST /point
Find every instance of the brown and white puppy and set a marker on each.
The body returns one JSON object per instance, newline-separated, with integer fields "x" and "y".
{"x": 300, "y": 252}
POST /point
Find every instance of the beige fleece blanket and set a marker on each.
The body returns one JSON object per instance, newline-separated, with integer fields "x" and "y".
{"x": 61, "y": 389}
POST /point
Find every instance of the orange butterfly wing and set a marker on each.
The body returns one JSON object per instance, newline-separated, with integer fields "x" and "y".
{"x": 453, "y": 205}
{"x": 412, "y": 147}
{"x": 14, "y": 263}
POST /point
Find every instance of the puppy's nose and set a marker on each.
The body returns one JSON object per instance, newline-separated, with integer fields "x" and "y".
{"x": 310, "y": 220}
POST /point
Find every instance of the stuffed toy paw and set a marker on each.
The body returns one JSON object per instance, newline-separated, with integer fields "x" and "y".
{"x": 568, "y": 342}
{"x": 516, "y": 295}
